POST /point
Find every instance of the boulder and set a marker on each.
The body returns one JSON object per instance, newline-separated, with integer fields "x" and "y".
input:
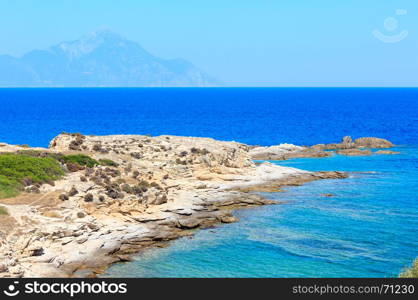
{"x": 189, "y": 223}
{"x": 373, "y": 142}
{"x": 228, "y": 219}
{"x": 347, "y": 143}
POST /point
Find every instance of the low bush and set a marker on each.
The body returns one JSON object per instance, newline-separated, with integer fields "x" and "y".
{"x": 108, "y": 162}
{"x": 63, "y": 197}
{"x": 80, "y": 159}
{"x": 34, "y": 153}
{"x": 199, "y": 151}
{"x": 3, "y": 211}
{"x": 126, "y": 188}
{"x": 135, "y": 174}
{"x": 88, "y": 197}
{"x": 75, "y": 144}
{"x": 17, "y": 170}
{"x": 97, "y": 147}
{"x": 37, "y": 153}
{"x": 8, "y": 188}
{"x": 180, "y": 162}
{"x": 136, "y": 155}
{"x": 183, "y": 154}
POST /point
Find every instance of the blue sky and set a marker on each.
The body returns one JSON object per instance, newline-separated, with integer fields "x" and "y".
{"x": 242, "y": 43}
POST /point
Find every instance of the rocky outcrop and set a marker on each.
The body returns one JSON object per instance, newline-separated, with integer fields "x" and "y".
{"x": 373, "y": 142}
{"x": 146, "y": 192}
{"x": 292, "y": 180}
{"x": 346, "y": 147}
{"x": 285, "y": 151}
{"x": 347, "y": 143}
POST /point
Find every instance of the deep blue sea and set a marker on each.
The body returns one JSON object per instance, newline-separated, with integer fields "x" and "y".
{"x": 264, "y": 116}
{"x": 368, "y": 229}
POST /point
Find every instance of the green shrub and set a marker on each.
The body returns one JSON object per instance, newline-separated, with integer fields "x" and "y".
{"x": 3, "y": 211}
{"x": 17, "y": 169}
{"x": 8, "y": 188}
{"x": 411, "y": 272}
{"x": 80, "y": 159}
{"x": 108, "y": 162}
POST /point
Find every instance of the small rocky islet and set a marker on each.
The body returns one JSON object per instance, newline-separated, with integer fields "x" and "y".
{"x": 94, "y": 200}
{"x": 358, "y": 147}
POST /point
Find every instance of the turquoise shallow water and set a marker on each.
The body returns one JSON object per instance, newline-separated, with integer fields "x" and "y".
{"x": 368, "y": 229}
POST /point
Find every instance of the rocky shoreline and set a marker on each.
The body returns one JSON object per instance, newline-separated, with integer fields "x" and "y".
{"x": 138, "y": 192}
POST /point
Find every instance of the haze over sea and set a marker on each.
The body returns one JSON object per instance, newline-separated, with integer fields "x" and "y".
{"x": 369, "y": 228}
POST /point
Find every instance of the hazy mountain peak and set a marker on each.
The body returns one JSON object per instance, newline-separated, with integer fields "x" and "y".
{"x": 91, "y": 42}
{"x": 100, "y": 58}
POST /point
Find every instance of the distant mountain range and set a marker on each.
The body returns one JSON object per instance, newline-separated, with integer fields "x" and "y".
{"x": 100, "y": 59}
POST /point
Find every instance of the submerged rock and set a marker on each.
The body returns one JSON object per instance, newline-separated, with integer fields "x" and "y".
{"x": 354, "y": 152}
{"x": 387, "y": 152}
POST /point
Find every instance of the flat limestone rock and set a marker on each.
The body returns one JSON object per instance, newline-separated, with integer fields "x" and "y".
{"x": 148, "y": 219}
{"x": 285, "y": 151}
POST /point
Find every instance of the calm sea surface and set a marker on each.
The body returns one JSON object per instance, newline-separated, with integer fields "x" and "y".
{"x": 370, "y": 226}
